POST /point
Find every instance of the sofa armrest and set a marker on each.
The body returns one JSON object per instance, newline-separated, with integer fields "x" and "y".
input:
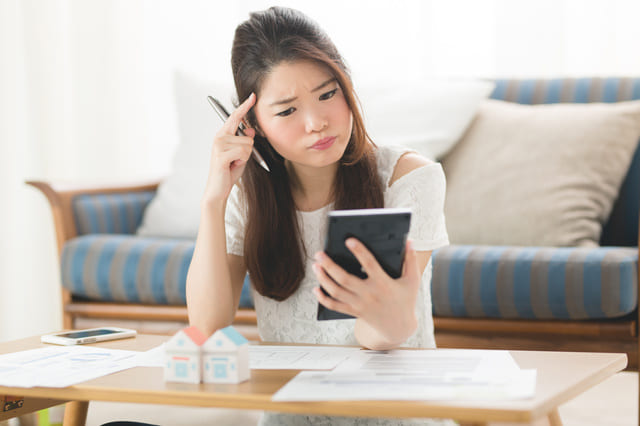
{"x": 61, "y": 197}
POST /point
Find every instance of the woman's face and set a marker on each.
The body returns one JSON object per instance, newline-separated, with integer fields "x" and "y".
{"x": 303, "y": 113}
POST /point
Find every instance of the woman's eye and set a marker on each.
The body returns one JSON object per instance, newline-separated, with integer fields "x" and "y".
{"x": 286, "y": 112}
{"x": 328, "y": 95}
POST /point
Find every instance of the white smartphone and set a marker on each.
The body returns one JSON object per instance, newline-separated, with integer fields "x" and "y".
{"x": 90, "y": 335}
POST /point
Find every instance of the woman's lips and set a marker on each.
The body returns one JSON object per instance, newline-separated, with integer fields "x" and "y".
{"x": 324, "y": 143}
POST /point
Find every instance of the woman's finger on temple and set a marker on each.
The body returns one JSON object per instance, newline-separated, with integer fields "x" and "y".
{"x": 236, "y": 117}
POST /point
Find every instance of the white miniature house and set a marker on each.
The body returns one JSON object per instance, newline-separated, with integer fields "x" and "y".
{"x": 183, "y": 356}
{"x": 225, "y": 357}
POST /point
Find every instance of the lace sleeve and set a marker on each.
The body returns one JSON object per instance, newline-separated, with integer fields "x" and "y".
{"x": 235, "y": 220}
{"x": 423, "y": 191}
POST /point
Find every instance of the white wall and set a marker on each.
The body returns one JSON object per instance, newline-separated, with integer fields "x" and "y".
{"x": 86, "y": 94}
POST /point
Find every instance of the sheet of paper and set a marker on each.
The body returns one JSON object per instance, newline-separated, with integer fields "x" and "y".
{"x": 445, "y": 364}
{"x": 276, "y": 357}
{"x": 151, "y": 358}
{"x": 415, "y": 375}
{"x": 60, "y": 366}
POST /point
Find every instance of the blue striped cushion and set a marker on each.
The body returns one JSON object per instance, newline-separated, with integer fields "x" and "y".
{"x": 534, "y": 282}
{"x": 119, "y": 213}
{"x": 128, "y": 268}
{"x": 622, "y": 226}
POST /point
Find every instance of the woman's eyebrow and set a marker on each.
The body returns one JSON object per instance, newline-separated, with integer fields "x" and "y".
{"x": 287, "y": 100}
{"x": 326, "y": 83}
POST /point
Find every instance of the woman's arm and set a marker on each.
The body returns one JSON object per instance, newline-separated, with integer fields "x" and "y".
{"x": 367, "y": 335}
{"x": 384, "y": 307}
{"x": 215, "y": 278}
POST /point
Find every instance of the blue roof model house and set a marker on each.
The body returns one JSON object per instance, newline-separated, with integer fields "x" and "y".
{"x": 183, "y": 356}
{"x": 225, "y": 357}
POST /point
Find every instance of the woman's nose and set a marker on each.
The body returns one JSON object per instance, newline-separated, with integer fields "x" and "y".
{"x": 315, "y": 121}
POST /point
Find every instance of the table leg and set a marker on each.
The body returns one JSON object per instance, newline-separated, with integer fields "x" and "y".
{"x": 554, "y": 418}
{"x": 75, "y": 413}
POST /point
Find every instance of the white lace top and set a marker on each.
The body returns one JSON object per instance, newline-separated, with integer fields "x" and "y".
{"x": 294, "y": 319}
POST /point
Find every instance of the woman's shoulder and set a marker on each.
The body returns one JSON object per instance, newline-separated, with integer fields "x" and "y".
{"x": 395, "y": 162}
{"x": 407, "y": 163}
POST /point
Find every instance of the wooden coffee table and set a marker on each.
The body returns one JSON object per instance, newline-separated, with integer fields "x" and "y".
{"x": 561, "y": 376}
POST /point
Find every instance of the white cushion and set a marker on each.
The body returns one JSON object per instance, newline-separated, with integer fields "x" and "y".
{"x": 539, "y": 175}
{"x": 429, "y": 116}
{"x": 175, "y": 210}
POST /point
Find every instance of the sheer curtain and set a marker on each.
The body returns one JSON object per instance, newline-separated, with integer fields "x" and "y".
{"x": 86, "y": 88}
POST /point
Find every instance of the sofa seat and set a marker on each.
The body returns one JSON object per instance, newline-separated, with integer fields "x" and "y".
{"x": 130, "y": 269}
{"x": 468, "y": 281}
{"x": 534, "y": 282}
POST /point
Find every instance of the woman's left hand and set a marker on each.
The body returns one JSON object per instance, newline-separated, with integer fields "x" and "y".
{"x": 385, "y": 305}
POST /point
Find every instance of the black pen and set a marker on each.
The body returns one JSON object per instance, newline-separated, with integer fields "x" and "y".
{"x": 224, "y": 115}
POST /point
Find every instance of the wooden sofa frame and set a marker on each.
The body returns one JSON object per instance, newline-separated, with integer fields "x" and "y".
{"x": 60, "y": 199}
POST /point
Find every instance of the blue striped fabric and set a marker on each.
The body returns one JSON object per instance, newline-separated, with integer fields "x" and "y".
{"x": 622, "y": 226}
{"x": 118, "y": 213}
{"x": 468, "y": 281}
{"x": 534, "y": 282}
{"x": 127, "y": 268}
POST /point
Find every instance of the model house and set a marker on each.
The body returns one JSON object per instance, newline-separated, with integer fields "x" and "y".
{"x": 225, "y": 357}
{"x": 192, "y": 358}
{"x": 183, "y": 356}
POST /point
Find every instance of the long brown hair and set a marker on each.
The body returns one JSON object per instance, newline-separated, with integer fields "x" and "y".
{"x": 273, "y": 249}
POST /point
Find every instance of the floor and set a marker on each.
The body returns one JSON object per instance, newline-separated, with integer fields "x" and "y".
{"x": 614, "y": 402}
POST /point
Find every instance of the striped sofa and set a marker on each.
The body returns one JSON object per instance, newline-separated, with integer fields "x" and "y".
{"x": 483, "y": 296}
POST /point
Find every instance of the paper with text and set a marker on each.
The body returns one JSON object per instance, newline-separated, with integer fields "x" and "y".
{"x": 61, "y": 366}
{"x": 415, "y": 375}
{"x": 276, "y": 357}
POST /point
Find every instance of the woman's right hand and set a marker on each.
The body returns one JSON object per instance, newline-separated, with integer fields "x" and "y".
{"x": 229, "y": 154}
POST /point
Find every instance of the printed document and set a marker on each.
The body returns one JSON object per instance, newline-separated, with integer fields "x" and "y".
{"x": 415, "y": 375}
{"x": 278, "y": 357}
{"x": 61, "y": 366}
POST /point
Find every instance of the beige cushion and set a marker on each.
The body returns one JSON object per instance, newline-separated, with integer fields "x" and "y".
{"x": 541, "y": 175}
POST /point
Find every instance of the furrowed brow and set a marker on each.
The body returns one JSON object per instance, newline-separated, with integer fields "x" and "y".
{"x": 287, "y": 100}
{"x": 325, "y": 84}
{"x": 283, "y": 101}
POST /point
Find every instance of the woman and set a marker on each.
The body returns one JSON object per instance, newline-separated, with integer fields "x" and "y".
{"x": 301, "y": 114}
